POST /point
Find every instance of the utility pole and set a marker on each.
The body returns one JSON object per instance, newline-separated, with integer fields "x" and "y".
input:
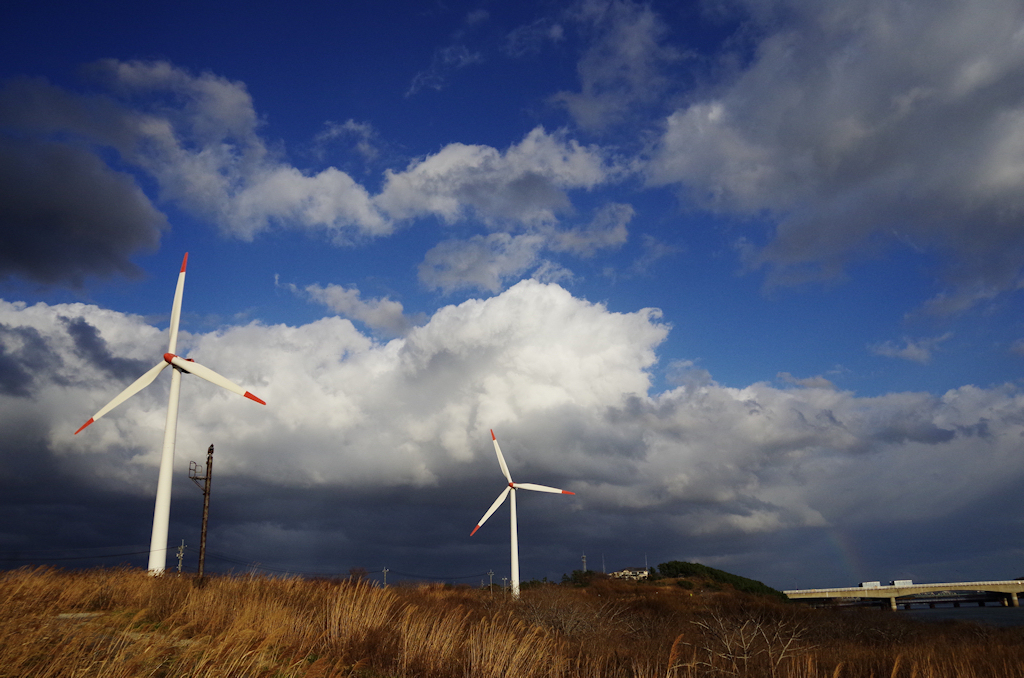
{"x": 181, "y": 555}
{"x": 504, "y": 582}
{"x": 193, "y": 472}
{"x": 385, "y": 571}
{"x": 490, "y": 583}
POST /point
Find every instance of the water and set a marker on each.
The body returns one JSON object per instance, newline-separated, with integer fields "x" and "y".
{"x": 990, "y": 614}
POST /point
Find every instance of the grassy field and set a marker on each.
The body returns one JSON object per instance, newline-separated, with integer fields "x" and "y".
{"x": 122, "y": 622}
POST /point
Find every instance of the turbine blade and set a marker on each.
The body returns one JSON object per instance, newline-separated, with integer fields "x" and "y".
{"x": 494, "y": 507}
{"x": 501, "y": 459}
{"x": 172, "y": 344}
{"x": 209, "y": 375}
{"x": 540, "y": 488}
{"x": 139, "y": 384}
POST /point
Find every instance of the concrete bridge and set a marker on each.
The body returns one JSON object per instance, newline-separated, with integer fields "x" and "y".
{"x": 1008, "y": 588}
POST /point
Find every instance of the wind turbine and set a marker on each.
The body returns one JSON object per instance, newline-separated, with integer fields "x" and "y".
{"x": 511, "y": 491}
{"x": 162, "y": 512}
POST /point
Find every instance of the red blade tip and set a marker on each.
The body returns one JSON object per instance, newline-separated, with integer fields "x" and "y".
{"x": 84, "y": 425}
{"x": 474, "y": 530}
{"x": 492, "y": 435}
{"x": 183, "y": 262}
{"x": 252, "y": 397}
{"x": 567, "y": 492}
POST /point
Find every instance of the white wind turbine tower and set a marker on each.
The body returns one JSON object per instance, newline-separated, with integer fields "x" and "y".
{"x": 511, "y": 490}
{"x": 162, "y": 512}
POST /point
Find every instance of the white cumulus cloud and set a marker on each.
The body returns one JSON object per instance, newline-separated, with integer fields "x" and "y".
{"x": 919, "y": 351}
{"x": 566, "y": 385}
{"x": 525, "y": 183}
{"x": 862, "y": 126}
{"x": 200, "y": 138}
{"x": 378, "y": 314}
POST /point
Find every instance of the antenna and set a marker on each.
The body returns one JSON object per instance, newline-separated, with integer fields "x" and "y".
{"x": 193, "y": 472}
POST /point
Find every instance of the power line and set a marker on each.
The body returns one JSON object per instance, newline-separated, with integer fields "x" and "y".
{"x": 72, "y": 550}
{"x": 252, "y": 565}
{"x": 94, "y": 557}
{"x": 442, "y": 578}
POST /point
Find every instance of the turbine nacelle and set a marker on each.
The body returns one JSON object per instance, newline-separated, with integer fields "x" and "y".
{"x": 169, "y": 358}
{"x": 192, "y": 367}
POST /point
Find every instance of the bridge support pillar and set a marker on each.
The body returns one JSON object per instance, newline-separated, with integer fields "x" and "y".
{"x": 1013, "y": 600}
{"x": 892, "y": 603}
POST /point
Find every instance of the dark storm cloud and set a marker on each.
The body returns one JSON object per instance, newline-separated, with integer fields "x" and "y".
{"x": 58, "y": 510}
{"x": 33, "y": 106}
{"x": 65, "y": 215}
{"x": 418, "y": 533}
{"x": 24, "y": 353}
{"x": 94, "y": 348}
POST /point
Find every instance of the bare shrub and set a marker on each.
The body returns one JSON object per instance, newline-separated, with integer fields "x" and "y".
{"x": 752, "y": 644}
{"x": 563, "y": 610}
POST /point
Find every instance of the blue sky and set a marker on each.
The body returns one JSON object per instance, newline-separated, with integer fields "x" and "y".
{"x": 744, "y": 275}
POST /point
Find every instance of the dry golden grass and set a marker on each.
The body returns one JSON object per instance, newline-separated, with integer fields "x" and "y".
{"x": 124, "y": 623}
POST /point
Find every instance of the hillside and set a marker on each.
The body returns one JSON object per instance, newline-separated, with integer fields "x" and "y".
{"x": 123, "y": 623}
{"x": 690, "y": 573}
{"x": 689, "y": 576}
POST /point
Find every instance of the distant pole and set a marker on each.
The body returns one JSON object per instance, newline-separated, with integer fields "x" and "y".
{"x": 181, "y": 555}
{"x": 584, "y": 563}
{"x": 603, "y": 568}
{"x": 490, "y": 583}
{"x": 385, "y": 571}
{"x": 193, "y": 473}
{"x": 504, "y": 584}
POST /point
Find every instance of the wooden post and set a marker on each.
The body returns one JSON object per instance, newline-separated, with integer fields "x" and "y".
{"x": 206, "y": 478}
